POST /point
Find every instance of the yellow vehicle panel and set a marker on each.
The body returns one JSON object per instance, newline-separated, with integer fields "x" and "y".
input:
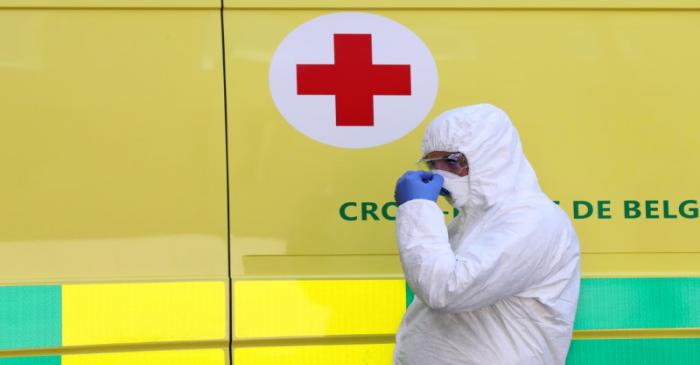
{"x": 603, "y": 104}
{"x": 603, "y": 101}
{"x": 113, "y": 183}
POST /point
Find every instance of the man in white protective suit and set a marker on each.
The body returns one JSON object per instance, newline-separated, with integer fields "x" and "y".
{"x": 500, "y": 283}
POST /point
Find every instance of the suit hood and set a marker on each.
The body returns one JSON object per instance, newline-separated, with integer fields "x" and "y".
{"x": 485, "y": 134}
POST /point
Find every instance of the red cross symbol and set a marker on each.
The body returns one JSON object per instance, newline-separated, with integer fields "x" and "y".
{"x": 353, "y": 79}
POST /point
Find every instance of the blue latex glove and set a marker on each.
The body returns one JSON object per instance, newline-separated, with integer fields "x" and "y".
{"x": 418, "y": 185}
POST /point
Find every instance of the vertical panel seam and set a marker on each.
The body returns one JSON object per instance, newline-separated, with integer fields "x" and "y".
{"x": 228, "y": 189}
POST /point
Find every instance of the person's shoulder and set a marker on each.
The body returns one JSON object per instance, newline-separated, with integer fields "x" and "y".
{"x": 531, "y": 208}
{"x": 536, "y": 203}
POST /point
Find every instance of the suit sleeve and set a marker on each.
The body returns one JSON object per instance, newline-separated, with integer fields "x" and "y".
{"x": 502, "y": 259}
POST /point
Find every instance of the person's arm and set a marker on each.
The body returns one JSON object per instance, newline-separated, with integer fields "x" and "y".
{"x": 499, "y": 261}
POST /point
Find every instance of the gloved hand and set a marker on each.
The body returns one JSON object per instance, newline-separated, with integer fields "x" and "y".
{"x": 418, "y": 185}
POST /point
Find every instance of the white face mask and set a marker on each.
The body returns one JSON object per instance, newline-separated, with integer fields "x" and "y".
{"x": 457, "y": 186}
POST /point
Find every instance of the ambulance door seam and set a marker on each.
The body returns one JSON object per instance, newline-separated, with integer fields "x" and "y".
{"x": 228, "y": 190}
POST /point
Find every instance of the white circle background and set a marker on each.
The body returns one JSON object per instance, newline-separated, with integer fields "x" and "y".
{"x": 314, "y": 115}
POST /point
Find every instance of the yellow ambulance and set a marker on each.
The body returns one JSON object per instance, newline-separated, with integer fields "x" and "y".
{"x": 211, "y": 181}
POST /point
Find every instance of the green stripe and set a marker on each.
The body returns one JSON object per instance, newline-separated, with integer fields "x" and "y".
{"x": 33, "y": 360}
{"x": 409, "y": 295}
{"x": 30, "y": 317}
{"x": 676, "y": 351}
{"x": 638, "y": 303}
{"x": 634, "y": 303}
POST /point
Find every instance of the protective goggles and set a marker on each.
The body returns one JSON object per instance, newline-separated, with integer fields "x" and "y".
{"x": 452, "y": 162}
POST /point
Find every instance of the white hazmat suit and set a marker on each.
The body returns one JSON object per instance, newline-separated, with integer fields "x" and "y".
{"x": 500, "y": 283}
